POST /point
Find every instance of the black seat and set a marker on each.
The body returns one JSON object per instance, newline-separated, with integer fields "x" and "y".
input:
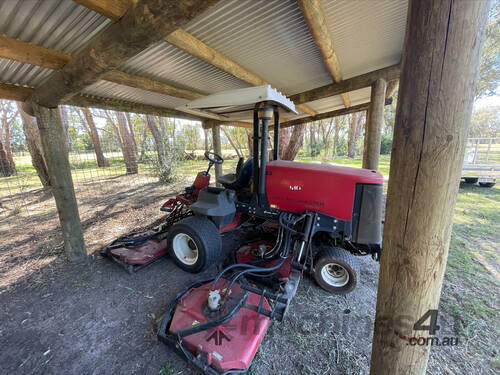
{"x": 241, "y": 178}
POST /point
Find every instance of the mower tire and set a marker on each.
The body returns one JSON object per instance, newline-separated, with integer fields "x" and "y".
{"x": 194, "y": 243}
{"x": 336, "y": 270}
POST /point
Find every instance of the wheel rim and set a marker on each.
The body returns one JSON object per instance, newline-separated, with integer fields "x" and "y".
{"x": 335, "y": 275}
{"x": 185, "y": 249}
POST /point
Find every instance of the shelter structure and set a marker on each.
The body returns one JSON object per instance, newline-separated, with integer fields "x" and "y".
{"x": 330, "y": 57}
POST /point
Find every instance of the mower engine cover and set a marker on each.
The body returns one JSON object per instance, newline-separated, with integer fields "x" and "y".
{"x": 230, "y": 346}
{"x": 329, "y": 189}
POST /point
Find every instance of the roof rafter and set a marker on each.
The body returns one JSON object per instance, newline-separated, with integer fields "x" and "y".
{"x": 316, "y": 20}
{"x": 113, "y": 9}
{"x": 20, "y": 93}
{"x": 46, "y": 58}
{"x": 195, "y": 47}
{"x": 355, "y": 83}
{"x": 144, "y": 23}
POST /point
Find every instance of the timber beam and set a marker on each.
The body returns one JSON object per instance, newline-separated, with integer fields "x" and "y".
{"x": 112, "y": 9}
{"x": 195, "y": 47}
{"x": 321, "y": 116}
{"x": 144, "y": 23}
{"x": 19, "y": 93}
{"x": 365, "y": 80}
{"x": 315, "y": 17}
{"x": 46, "y": 58}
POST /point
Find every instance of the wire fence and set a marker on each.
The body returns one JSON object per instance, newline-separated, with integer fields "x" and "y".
{"x": 24, "y": 201}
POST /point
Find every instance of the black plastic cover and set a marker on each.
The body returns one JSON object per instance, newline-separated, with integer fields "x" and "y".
{"x": 367, "y": 214}
{"x": 217, "y": 204}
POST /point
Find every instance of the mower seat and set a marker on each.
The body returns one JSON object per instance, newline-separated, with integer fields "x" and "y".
{"x": 241, "y": 178}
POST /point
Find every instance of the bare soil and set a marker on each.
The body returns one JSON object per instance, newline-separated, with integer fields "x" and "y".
{"x": 60, "y": 318}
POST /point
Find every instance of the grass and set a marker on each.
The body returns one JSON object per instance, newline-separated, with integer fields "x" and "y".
{"x": 471, "y": 278}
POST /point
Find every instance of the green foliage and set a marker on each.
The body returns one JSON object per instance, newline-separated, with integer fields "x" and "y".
{"x": 489, "y": 71}
{"x": 315, "y": 148}
{"x": 168, "y": 369}
{"x": 485, "y": 123}
{"x": 386, "y": 144}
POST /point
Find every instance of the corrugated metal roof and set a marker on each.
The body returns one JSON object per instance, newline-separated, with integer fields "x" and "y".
{"x": 61, "y": 25}
{"x": 114, "y": 91}
{"x": 22, "y": 74}
{"x": 367, "y": 35}
{"x": 166, "y": 63}
{"x": 268, "y": 37}
{"x": 335, "y": 102}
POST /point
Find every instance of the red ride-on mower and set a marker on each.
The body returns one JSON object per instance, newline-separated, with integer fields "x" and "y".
{"x": 323, "y": 216}
{"x": 136, "y": 250}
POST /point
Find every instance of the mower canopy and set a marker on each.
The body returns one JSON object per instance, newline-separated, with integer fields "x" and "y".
{"x": 238, "y": 104}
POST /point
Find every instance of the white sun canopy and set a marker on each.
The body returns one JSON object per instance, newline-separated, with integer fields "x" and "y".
{"x": 239, "y": 104}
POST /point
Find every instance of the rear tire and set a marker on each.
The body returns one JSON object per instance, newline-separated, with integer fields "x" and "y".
{"x": 471, "y": 180}
{"x": 194, "y": 244}
{"x": 487, "y": 184}
{"x": 336, "y": 270}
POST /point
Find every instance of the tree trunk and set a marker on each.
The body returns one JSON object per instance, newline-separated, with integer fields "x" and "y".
{"x": 8, "y": 148}
{"x": 231, "y": 142}
{"x": 433, "y": 114}
{"x": 335, "y": 136}
{"x": 94, "y": 135}
{"x": 4, "y": 162}
{"x": 249, "y": 142}
{"x": 354, "y": 132}
{"x": 132, "y": 131}
{"x": 296, "y": 141}
{"x": 285, "y": 134}
{"x": 127, "y": 144}
{"x": 32, "y": 135}
{"x": 165, "y": 167}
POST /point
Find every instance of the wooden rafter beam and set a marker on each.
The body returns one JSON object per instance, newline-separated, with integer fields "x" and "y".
{"x": 149, "y": 85}
{"x": 144, "y": 23}
{"x": 19, "y": 93}
{"x": 390, "y": 73}
{"x": 321, "y": 116}
{"x": 316, "y": 20}
{"x": 30, "y": 54}
{"x": 113, "y": 9}
{"x": 195, "y": 47}
{"x": 207, "y": 124}
{"x": 50, "y": 59}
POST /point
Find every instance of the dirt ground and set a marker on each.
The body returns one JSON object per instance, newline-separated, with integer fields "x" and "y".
{"x": 60, "y": 318}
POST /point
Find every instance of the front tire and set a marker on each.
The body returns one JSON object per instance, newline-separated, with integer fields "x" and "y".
{"x": 194, "y": 244}
{"x": 336, "y": 270}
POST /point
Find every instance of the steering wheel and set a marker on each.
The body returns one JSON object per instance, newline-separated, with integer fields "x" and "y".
{"x": 216, "y": 159}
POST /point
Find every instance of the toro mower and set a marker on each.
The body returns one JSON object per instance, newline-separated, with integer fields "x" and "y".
{"x": 320, "y": 217}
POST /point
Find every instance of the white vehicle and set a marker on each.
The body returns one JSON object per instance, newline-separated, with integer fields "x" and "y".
{"x": 481, "y": 161}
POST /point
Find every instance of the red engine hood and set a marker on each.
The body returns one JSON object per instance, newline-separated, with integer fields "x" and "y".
{"x": 326, "y": 188}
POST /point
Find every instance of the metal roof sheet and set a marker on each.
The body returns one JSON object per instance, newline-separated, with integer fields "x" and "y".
{"x": 61, "y": 25}
{"x": 268, "y": 37}
{"x": 115, "y": 91}
{"x": 166, "y": 63}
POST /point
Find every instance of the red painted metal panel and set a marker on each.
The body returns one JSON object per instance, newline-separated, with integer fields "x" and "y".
{"x": 329, "y": 189}
{"x": 229, "y": 346}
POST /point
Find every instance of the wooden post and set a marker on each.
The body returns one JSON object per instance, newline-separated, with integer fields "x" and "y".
{"x": 217, "y": 150}
{"x": 374, "y": 121}
{"x": 433, "y": 113}
{"x": 53, "y": 144}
